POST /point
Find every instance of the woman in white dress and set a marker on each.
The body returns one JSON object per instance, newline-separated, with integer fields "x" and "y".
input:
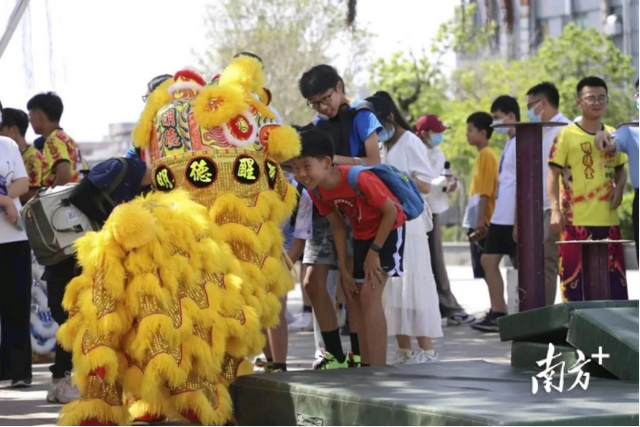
{"x": 410, "y": 302}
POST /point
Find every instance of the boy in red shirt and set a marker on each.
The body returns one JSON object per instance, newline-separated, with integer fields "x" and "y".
{"x": 378, "y": 227}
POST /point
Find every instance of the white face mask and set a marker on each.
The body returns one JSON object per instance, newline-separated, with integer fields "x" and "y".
{"x": 501, "y": 131}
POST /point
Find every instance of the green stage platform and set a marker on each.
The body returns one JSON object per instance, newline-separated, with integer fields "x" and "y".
{"x": 584, "y": 326}
{"x": 549, "y": 324}
{"x": 442, "y": 393}
{"x": 613, "y": 329}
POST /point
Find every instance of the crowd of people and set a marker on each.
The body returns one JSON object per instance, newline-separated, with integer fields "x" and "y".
{"x": 349, "y": 228}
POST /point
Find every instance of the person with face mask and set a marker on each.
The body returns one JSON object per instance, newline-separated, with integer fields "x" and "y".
{"x": 430, "y": 130}
{"x": 625, "y": 140}
{"x": 410, "y": 302}
{"x": 500, "y": 242}
{"x": 543, "y": 101}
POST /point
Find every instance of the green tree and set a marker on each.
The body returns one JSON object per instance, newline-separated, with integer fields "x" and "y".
{"x": 420, "y": 86}
{"x": 290, "y": 36}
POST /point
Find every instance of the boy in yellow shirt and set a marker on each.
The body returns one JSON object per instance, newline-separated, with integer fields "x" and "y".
{"x": 484, "y": 186}
{"x": 597, "y": 184}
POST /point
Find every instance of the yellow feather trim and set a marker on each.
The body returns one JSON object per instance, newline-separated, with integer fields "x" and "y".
{"x": 217, "y": 105}
{"x": 160, "y": 370}
{"x": 73, "y": 290}
{"x": 231, "y": 299}
{"x": 132, "y": 380}
{"x": 68, "y": 331}
{"x": 203, "y": 361}
{"x": 271, "y": 237}
{"x": 132, "y": 227}
{"x": 245, "y": 339}
{"x": 100, "y": 356}
{"x": 158, "y": 325}
{"x": 261, "y": 107}
{"x": 230, "y": 203}
{"x": 198, "y": 403}
{"x": 244, "y": 71}
{"x": 143, "y": 408}
{"x": 160, "y": 97}
{"x": 244, "y": 368}
{"x": 74, "y": 413}
{"x": 146, "y": 285}
{"x": 271, "y": 311}
{"x": 284, "y": 143}
{"x": 232, "y": 232}
{"x": 283, "y": 207}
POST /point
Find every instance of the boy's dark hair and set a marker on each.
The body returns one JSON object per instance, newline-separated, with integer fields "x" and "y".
{"x": 482, "y": 121}
{"x": 507, "y": 104}
{"x": 397, "y": 115}
{"x": 49, "y": 103}
{"x": 318, "y": 80}
{"x": 249, "y": 54}
{"x": 316, "y": 143}
{"x": 157, "y": 81}
{"x": 14, "y": 117}
{"x": 549, "y": 91}
{"x": 591, "y": 81}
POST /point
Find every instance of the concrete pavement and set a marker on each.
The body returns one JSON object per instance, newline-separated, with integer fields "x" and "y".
{"x": 28, "y": 407}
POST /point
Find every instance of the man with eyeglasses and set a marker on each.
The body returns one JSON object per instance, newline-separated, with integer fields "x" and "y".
{"x": 354, "y": 129}
{"x": 597, "y": 184}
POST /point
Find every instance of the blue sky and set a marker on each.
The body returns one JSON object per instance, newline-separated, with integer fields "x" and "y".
{"x": 99, "y": 55}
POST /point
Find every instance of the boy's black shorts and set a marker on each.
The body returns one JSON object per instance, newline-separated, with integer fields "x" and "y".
{"x": 500, "y": 241}
{"x": 391, "y": 255}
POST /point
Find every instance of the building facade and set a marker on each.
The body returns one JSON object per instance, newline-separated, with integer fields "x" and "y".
{"x": 522, "y": 25}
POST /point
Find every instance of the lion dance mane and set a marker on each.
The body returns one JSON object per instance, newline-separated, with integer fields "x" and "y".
{"x": 176, "y": 288}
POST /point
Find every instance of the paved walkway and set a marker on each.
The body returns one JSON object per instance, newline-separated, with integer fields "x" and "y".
{"x": 29, "y": 408}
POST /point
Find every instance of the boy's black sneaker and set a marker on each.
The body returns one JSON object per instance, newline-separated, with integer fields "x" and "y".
{"x": 489, "y": 323}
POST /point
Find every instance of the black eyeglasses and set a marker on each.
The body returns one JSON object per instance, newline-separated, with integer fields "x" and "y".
{"x": 591, "y": 99}
{"x": 324, "y": 101}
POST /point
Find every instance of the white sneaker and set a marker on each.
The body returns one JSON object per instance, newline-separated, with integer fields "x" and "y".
{"x": 342, "y": 317}
{"x": 62, "y": 390}
{"x": 422, "y": 357}
{"x": 304, "y": 322}
{"x": 402, "y": 357}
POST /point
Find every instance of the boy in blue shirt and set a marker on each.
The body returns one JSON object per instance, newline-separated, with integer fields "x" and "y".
{"x": 354, "y": 129}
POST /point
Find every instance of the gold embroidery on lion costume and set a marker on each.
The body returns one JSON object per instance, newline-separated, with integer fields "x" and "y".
{"x": 178, "y": 285}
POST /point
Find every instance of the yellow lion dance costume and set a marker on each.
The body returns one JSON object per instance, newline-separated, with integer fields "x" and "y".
{"x": 177, "y": 286}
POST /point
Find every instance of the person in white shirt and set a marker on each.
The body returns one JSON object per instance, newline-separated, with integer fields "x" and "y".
{"x": 431, "y": 130}
{"x": 410, "y": 302}
{"x": 15, "y": 264}
{"x": 500, "y": 241}
{"x": 543, "y": 101}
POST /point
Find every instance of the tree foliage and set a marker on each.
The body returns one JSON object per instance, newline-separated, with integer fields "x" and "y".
{"x": 420, "y": 86}
{"x": 290, "y": 36}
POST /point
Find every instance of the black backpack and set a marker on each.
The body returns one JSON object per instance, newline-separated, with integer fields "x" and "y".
{"x": 96, "y": 203}
{"x": 339, "y": 128}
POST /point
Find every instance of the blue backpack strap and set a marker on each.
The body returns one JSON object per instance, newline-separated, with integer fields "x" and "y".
{"x": 352, "y": 177}
{"x": 316, "y": 193}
